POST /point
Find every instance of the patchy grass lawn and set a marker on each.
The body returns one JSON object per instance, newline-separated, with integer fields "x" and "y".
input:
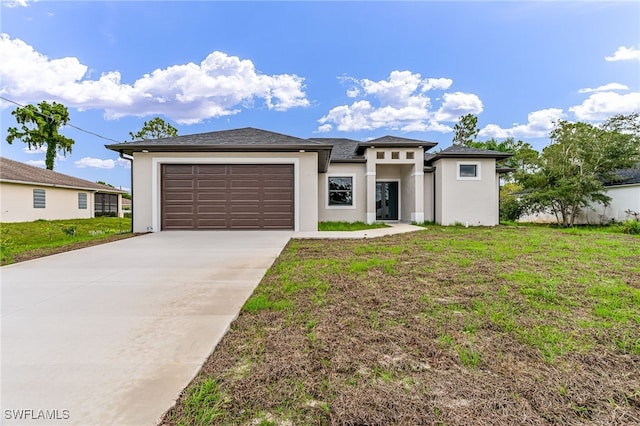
{"x": 28, "y": 240}
{"x": 456, "y": 326}
{"x": 349, "y": 226}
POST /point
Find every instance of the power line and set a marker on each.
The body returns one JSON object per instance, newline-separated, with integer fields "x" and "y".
{"x": 70, "y": 125}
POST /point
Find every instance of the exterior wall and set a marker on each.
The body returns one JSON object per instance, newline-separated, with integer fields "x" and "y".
{"x": 396, "y": 164}
{"x": 472, "y": 201}
{"x": 428, "y": 197}
{"x": 355, "y": 213}
{"x": 147, "y": 176}
{"x": 16, "y": 203}
{"x": 623, "y": 197}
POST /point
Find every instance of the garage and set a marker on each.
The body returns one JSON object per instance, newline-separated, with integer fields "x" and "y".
{"x": 227, "y": 196}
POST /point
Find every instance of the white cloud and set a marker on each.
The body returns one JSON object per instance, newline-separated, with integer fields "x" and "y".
{"x": 539, "y": 124}
{"x": 187, "y": 93}
{"x": 624, "y": 54}
{"x": 399, "y": 103}
{"x": 34, "y": 150}
{"x": 123, "y": 163}
{"x": 602, "y": 105}
{"x": 95, "y": 162}
{"x": 15, "y": 3}
{"x": 36, "y": 163}
{"x": 605, "y": 88}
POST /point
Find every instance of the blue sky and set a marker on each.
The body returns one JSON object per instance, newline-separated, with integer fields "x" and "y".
{"x": 357, "y": 70}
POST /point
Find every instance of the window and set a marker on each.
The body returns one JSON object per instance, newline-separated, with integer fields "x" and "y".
{"x": 380, "y": 155}
{"x": 106, "y": 205}
{"x": 410, "y": 155}
{"x": 341, "y": 191}
{"x": 468, "y": 170}
{"x": 39, "y": 199}
{"x": 395, "y": 155}
{"x": 82, "y": 200}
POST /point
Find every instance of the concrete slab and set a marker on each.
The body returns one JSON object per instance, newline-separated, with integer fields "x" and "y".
{"x": 394, "y": 228}
{"x": 111, "y": 334}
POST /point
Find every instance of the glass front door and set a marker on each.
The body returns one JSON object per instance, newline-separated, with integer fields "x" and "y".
{"x": 386, "y": 200}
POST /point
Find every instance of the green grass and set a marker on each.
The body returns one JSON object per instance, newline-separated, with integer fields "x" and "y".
{"x": 349, "y": 226}
{"x": 450, "y": 324}
{"x": 43, "y": 236}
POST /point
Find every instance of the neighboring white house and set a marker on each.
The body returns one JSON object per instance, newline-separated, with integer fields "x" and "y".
{"x": 29, "y": 193}
{"x": 256, "y": 179}
{"x": 625, "y": 196}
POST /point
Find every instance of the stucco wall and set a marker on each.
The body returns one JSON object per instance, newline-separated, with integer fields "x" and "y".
{"x": 16, "y": 203}
{"x": 147, "y": 175}
{"x": 466, "y": 201}
{"x": 624, "y": 197}
{"x": 355, "y": 213}
{"x": 428, "y": 197}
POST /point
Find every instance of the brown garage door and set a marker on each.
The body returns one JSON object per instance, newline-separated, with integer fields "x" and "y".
{"x": 227, "y": 196}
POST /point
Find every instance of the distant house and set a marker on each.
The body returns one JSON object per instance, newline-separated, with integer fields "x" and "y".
{"x": 255, "y": 179}
{"x": 29, "y": 193}
{"x": 625, "y": 196}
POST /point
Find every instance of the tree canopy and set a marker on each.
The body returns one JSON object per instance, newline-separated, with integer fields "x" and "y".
{"x": 581, "y": 157}
{"x": 40, "y": 126}
{"x": 154, "y": 129}
{"x": 466, "y": 130}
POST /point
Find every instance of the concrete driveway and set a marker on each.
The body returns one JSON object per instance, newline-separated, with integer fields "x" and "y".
{"x": 111, "y": 334}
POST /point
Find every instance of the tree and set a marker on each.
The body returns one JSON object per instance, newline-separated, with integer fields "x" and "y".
{"x": 40, "y": 125}
{"x": 581, "y": 157}
{"x": 524, "y": 159}
{"x": 154, "y": 129}
{"x": 466, "y": 130}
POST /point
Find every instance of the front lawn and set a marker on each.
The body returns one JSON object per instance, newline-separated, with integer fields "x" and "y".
{"x": 28, "y": 240}
{"x": 349, "y": 226}
{"x": 458, "y": 326}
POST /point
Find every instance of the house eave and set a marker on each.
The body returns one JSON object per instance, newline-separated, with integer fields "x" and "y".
{"x": 53, "y": 185}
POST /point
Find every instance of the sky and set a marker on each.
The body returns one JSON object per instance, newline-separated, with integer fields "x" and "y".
{"x": 357, "y": 70}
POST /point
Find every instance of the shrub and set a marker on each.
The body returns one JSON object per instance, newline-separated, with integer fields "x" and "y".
{"x": 631, "y": 227}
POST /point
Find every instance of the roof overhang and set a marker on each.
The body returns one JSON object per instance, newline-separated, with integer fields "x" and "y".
{"x": 443, "y": 155}
{"x": 505, "y": 170}
{"x": 324, "y": 151}
{"x": 53, "y": 185}
{"x": 362, "y": 147}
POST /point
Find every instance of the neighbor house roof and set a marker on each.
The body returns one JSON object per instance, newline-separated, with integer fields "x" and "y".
{"x": 15, "y": 172}
{"x": 458, "y": 151}
{"x": 626, "y": 177}
{"x": 246, "y": 139}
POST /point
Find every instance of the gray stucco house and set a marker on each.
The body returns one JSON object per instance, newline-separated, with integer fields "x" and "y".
{"x": 255, "y": 179}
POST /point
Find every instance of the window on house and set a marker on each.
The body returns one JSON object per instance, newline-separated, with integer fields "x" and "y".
{"x": 106, "y": 205}
{"x": 39, "y": 199}
{"x": 82, "y": 200}
{"x": 380, "y": 155}
{"x": 341, "y": 191}
{"x": 395, "y": 155}
{"x": 409, "y": 155}
{"x": 468, "y": 170}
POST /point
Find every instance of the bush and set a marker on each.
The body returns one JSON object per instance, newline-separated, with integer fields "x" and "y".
{"x": 631, "y": 226}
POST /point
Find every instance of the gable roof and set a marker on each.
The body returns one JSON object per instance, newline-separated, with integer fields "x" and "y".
{"x": 626, "y": 177}
{"x": 245, "y": 139}
{"x": 16, "y": 172}
{"x": 459, "y": 151}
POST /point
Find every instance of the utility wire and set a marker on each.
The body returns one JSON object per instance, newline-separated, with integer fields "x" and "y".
{"x": 70, "y": 125}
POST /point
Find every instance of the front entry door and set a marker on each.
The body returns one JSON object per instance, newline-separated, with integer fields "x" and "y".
{"x": 386, "y": 200}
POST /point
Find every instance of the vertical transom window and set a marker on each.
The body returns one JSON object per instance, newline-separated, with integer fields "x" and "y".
{"x": 341, "y": 191}
{"x": 82, "y": 200}
{"x": 468, "y": 170}
{"x": 39, "y": 199}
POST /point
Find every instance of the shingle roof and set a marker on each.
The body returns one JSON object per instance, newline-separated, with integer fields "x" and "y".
{"x": 394, "y": 141}
{"x": 459, "y": 151}
{"x": 238, "y": 140}
{"x": 626, "y": 177}
{"x": 344, "y": 150}
{"x": 16, "y": 172}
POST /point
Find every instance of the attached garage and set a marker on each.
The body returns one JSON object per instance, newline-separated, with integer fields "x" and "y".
{"x": 227, "y": 196}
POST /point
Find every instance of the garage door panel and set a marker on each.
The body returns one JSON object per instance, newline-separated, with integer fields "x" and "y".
{"x": 219, "y": 196}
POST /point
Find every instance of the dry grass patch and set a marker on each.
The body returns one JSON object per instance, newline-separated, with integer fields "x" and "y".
{"x": 449, "y": 325}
